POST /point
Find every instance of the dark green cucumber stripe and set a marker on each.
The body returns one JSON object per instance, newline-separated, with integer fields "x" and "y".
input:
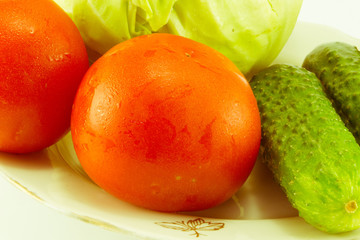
{"x": 337, "y": 65}
{"x": 312, "y": 154}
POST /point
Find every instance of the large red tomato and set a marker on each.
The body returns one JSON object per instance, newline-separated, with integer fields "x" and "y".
{"x": 166, "y": 123}
{"x": 42, "y": 61}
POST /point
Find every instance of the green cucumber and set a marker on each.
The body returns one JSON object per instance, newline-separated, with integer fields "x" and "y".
{"x": 337, "y": 65}
{"x": 307, "y": 146}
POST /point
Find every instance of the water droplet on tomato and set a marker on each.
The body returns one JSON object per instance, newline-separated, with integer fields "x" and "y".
{"x": 118, "y": 105}
{"x": 59, "y": 57}
{"x": 32, "y": 30}
{"x": 155, "y": 188}
{"x": 18, "y": 134}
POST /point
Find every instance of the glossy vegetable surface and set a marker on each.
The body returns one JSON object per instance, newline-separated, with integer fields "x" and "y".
{"x": 43, "y": 59}
{"x": 311, "y": 153}
{"x": 166, "y": 123}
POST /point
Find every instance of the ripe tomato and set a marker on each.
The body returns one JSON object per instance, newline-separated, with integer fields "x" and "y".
{"x": 43, "y": 59}
{"x": 166, "y": 123}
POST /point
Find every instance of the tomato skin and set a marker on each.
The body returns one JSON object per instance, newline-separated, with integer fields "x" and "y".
{"x": 166, "y": 123}
{"x": 43, "y": 59}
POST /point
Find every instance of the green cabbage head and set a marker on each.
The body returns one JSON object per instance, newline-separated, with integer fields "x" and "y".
{"x": 249, "y": 32}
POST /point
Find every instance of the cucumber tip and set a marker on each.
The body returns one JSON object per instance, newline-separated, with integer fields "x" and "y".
{"x": 351, "y": 206}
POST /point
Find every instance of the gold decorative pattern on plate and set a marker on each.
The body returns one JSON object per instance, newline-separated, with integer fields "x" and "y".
{"x": 195, "y": 226}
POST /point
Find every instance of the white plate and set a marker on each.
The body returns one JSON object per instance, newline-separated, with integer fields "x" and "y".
{"x": 259, "y": 208}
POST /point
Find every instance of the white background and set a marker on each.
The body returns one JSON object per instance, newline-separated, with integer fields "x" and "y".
{"x": 22, "y": 217}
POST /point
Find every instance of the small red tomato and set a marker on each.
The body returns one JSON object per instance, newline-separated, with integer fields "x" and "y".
{"x": 43, "y": 59}
{"x": 166, "y": 123}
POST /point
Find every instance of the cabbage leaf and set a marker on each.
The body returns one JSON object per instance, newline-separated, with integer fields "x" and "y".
{"x": 251, "y": 33}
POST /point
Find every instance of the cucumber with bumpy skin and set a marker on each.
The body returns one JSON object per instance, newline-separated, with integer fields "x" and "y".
{"x": 311, "y": 153}
{"x": 337, "y": 65}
